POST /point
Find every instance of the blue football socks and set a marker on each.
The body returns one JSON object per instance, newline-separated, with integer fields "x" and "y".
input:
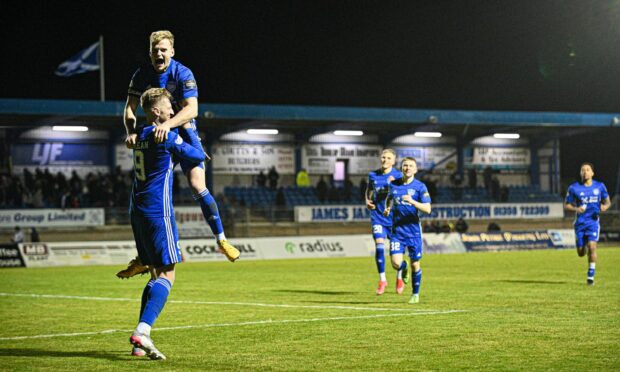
{"x": 210, "y": 212}
{"x": 591, "y": 271}
{"x": 145, "y": 295}
{"x": 157, "y": 297}
{"x": 379, "y": 258}
{"x": 417, "y": 281}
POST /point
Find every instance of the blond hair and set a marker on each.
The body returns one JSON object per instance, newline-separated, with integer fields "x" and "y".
{"x": 160, "y": 35}
{"x": 152, "y": 96}
{"x": 391, "y": 151}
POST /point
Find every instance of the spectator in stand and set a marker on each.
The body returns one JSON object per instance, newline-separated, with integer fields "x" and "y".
{"x": 333, "y": 194}
{"x": 18, "y": 237}
{"x": 495, "y": 188}
{"x": 34, "y": 236}
{"x": 504, "y": 193}
{"x": 456, "y": 178}
{"x": 261, "y": 179}
{"x": 273, "y": 177}
{"x": 445, "y": 227}
{"x": 321, "y": 189}
{"x": 302, "y": 179}
{"x": 427, "y": 227}
{"x": 472, "y": 178}
{"x": 436, "y": 227}
{"x": 487, "y": 176}
{"x": 280, "y": 200}
{"x": 461, "y": 226}
{"x": 493, "y": 226}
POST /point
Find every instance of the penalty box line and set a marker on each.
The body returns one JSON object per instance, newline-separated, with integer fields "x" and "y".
{"x": 224, "y": 303}
{"x": 241, "y": 324}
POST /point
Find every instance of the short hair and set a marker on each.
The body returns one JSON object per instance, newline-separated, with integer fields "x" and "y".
{"x": 588, "y": 164}
{"x": 153, "y": 96}
{"x": 391, "y": 151}
{"x": 408, "y": 158}
{"x": 160, "y": 35}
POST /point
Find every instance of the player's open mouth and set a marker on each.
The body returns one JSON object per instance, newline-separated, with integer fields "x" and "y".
{"x": 160, "y": 62}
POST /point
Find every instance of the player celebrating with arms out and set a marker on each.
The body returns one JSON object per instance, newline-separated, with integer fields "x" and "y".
{"x": 376, "y": 193}
{"x": 165, "y": 72}
{"x": 587, "y": 199}
{"x": 408, "y": 197}
{"x": 151, "y": 213}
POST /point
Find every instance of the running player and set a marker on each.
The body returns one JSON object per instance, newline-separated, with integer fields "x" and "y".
{"x": 165, "y": 72}
{"x": 152, "y": 215}
{"x": 381, "y": 225}
{"x": 587, "y": 199}
{"x": 408, "y": 197}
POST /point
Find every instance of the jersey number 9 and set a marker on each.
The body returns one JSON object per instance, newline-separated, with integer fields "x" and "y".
{"x": 138, "y": 164}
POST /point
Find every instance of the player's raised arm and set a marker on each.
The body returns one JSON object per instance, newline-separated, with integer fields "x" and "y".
{"x": 177, "y": 146}
{"x": 129, "y": 120}
{"x": 188, "y": 112}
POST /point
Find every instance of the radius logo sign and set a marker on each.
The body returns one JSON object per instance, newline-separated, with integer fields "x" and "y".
{"x": 289, "y": 247}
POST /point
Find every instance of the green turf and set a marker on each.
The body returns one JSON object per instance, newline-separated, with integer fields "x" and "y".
{"x": 521, "y": 311}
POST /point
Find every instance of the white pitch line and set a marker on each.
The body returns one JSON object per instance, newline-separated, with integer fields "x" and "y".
{"x": 258, "y": 322}
{"x": 33, "y": 295}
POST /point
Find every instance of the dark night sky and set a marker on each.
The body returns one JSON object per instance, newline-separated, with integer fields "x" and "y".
{"x": 503, "y": 55}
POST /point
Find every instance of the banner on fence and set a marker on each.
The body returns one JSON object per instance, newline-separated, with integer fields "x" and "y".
{"x": 10, "y": 256}
{"x": 10, "y": 218}
{"x": 472, "y": 211}
{"x": 510, "y": 240}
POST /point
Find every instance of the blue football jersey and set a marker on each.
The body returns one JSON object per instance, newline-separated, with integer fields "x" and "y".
{"x": 405, "y": 217}
{"x": 151, "y": 194}
{"x": 378, "y": 183}
{"x": 177, "y": 79}
{"x": 580, "y": 194}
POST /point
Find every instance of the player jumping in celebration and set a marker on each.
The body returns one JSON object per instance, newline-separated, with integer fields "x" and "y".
{"x": 152, "y": 215}
{"x": 376, "y": 193}
{"x": 408, "y": 196}
{"x": 587, "y": 199}
{"x": 165, "y": 72}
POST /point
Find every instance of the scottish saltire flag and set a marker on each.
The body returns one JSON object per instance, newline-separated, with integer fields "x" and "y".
{"x": 85, "y": 61}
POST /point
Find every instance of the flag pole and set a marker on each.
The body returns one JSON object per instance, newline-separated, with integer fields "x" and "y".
{"x": 101, "y": 70}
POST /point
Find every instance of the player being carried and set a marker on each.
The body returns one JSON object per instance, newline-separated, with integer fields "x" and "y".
{"x": 407, "y": 197}
{"x": 587, "y": 199}
{"x": 165, "y": 72}
{"x": 152, "y": 214}
{"x": 381, "y": 225}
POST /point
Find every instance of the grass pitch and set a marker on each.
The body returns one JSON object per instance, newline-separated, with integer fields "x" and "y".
{"x": 485, "y": 311}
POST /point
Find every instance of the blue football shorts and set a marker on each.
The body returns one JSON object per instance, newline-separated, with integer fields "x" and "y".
{"x": 190, "y": 136}
{"x": 381, "y": 231}
{"x": 157, "y": 240}
{"x": 588, "y": 233}
{"x": 413, "y": 245}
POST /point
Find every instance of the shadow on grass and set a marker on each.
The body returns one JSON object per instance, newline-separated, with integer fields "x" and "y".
{"x": 521, "y": 281}
{"x": 43, "y": 353}
{"x": 329, "y": 293}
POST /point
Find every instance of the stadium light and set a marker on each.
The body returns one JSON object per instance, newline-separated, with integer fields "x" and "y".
{"x": 262, "y": 131}
{"x": 507, "y": 135}
{"x": 65, "y": 128}
{"x": 348, "y": 133}
{"x": 428, "y": 134}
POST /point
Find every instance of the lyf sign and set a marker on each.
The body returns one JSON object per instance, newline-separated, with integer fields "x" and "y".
{"x": 46, "y": 153}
